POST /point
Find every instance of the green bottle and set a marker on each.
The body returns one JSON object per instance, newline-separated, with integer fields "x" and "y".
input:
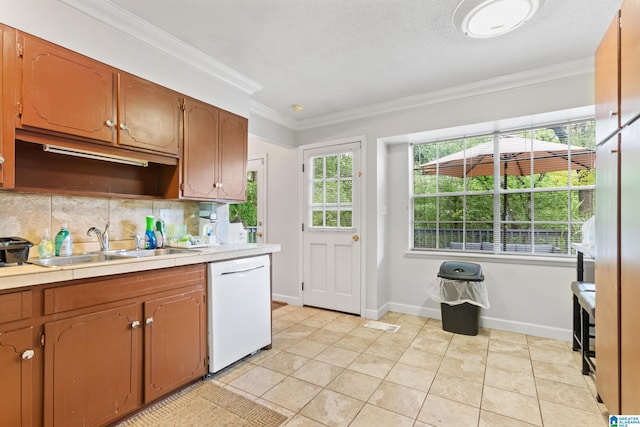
{"x": 149, "y": 235}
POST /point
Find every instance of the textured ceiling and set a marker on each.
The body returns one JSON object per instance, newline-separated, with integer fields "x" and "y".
{"x": 336, "y": 55}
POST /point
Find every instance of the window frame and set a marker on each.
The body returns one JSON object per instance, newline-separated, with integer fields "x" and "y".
{"x": 498, "y": 245}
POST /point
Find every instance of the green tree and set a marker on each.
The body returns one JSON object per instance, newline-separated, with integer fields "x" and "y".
{"x": 247, "y": 212}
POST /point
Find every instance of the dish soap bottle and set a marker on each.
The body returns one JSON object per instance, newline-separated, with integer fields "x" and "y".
{"x": 149, "y": 235}
{"x": 64, "y": 246}
{"x": 161, "y": 240}
{"x": 46, "y": 247}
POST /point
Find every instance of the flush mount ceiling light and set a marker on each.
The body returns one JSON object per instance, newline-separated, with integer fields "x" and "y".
{"x": 491, "y": 18}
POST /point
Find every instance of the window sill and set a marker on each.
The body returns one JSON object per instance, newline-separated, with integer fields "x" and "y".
{"x": 568, "y": 261}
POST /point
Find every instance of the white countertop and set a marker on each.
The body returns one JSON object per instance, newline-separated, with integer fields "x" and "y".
{"x": 28, "y": 274}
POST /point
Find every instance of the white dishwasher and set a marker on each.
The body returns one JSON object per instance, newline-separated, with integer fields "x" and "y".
{"x": 239, "y": 309}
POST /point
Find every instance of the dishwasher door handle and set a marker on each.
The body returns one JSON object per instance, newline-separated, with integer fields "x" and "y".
{"x": 241, "y": 271}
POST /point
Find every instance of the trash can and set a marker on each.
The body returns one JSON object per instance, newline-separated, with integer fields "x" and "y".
{"x": 461, "y": 291}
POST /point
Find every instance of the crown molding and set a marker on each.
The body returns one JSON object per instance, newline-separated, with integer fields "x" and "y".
{"x": 272, "y": 115}
{"x": 118, "y": 18}
{"x": 530, "y": 77}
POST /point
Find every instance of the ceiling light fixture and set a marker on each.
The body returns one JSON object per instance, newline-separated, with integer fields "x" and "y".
{"x": 491, "y": 18}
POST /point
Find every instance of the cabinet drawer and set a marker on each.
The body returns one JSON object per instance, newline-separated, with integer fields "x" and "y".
{"x": 87, "y": 293}
{"x": 15, "y": 306}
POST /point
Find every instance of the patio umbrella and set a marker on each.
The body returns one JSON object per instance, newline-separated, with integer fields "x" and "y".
{"x": 518, "y": 157}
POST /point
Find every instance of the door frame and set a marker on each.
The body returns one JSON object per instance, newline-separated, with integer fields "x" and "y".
{"x": 363, "y": 217}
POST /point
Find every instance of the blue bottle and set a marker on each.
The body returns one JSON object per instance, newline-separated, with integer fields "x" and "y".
{"x": 149, "y": 235}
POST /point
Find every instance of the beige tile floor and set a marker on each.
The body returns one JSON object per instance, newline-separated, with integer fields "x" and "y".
{"x": 326, "y": 368}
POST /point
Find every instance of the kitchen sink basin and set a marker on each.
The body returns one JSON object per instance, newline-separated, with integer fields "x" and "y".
{"x": 139, "y": 253}
{"x": 106, "y": 256}
{"x": 78, "y": 259}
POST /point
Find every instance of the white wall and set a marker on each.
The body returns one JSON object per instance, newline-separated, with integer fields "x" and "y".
{"x": 530, "y": 298}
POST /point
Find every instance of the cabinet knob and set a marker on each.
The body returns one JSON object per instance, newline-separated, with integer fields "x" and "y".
{"x": 27, "y": 355}
{"x": 110, "y": 123}
{"x": 613, "y": 151}
{"x": 135, "y": 324}
{"x": 612, "y": 113}
{"x": 123, "y": 126}
{"x": 149, "y": 320}
{"x": 1, "y": 160}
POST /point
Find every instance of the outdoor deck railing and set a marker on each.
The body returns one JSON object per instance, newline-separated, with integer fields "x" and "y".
{"x": 515, "y": 240}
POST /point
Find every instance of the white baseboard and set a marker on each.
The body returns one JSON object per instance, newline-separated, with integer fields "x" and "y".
{"x": 486, "y": 322}
{"x": 287, "y": 299}
{"x": 435, "y": 313}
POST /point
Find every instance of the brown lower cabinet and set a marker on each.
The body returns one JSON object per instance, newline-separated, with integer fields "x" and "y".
{"x": 92, "y": 351}
{"x": 16, "y": 377}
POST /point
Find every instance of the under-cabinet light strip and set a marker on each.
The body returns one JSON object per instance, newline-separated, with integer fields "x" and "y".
{"x": 95, "y": 156}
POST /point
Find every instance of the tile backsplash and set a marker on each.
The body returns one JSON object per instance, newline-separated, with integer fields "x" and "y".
{"x": 27, "y": 215}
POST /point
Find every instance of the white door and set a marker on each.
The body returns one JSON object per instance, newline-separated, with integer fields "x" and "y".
{"x": 254, "y": 211}
{"x": 331, "y": 240}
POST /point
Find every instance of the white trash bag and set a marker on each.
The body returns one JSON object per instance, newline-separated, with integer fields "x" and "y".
{"x": 455, "y": 292}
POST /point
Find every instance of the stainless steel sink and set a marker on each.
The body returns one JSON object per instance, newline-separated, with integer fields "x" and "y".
{"x": 140, "y": 253}
{"x": 106, "y": 256}
{"x": 78, "y": 259}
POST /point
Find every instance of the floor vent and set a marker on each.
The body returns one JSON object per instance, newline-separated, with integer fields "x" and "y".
{"x": 387, "y": 327}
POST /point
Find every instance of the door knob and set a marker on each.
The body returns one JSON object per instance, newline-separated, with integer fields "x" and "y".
{"x": 259, "y": 234}
{"x": 355, "y": 237}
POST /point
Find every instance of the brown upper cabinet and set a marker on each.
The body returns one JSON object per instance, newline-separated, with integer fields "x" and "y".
{"x": 64, "y": 92}
{"x": 67, "y": 93}
{"x": 214, "y": 161}
{"x": 7, "y": 112}
{"x": 149, "y": 116}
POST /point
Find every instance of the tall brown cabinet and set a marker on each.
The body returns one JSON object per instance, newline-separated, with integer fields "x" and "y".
{"x": 617, "y": 231}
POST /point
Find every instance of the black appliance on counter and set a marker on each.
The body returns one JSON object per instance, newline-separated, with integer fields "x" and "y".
{"x": 14, "y": 250}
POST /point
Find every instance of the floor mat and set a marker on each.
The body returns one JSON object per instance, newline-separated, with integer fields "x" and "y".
{"x": 206, "y": 404}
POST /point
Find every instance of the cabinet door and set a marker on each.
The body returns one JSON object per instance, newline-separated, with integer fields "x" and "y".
{"x": 607, "y": 276}
{"x": 16, "y": 366}
{"x": 149, "y": 116}
{"x": 7, "y": 106}
{"x": 200, "y": 152}
{"x": 92, "y": 367}
{"x": 63, "y": 91}
{"x": 630, "y": 60}
{"x": 175, "y": 342}
{"x": 607, "y": 67}
{"x": 629, "y": 271}
{"x": 233, "y": 157}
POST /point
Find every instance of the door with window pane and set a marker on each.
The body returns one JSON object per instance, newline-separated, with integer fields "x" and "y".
{"x": 331, "y": 228}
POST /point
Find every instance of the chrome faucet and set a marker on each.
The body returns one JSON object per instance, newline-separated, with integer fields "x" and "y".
{"x": 103, "y": 237}
{"x": 139, "y": 241}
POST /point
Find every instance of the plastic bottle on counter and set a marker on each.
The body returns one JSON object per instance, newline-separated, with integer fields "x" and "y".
{"x": 161, "y": 237}
{"x": 46, "y": 248}
{"x": 63, "y": 243}
{"x": 149, "y": 235}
